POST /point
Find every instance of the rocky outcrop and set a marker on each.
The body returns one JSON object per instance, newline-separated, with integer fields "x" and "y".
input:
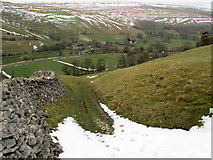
{"x": 24, "y": 132}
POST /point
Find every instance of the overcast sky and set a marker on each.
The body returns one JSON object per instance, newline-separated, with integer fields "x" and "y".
{"x": 191, "y": 3}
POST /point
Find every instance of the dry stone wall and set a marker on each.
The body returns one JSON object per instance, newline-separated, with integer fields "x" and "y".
{"x": 24, "y": 132}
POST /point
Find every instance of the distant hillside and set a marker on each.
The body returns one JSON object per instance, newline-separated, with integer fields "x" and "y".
{"x": 172, "y": 92}
{"x": 45, "y": 21}
{"x": 40, "y": 27}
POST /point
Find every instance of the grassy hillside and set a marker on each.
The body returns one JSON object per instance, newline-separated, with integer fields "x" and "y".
{"x": 173, "y": 92}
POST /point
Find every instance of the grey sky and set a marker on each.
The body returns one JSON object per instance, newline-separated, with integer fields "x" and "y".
{"x": 191, "y": 3}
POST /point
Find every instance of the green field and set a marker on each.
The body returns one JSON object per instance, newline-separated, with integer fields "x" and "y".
{"x": 81, "y": 104}
{"x": 179, "y": 43}
{"x": 108, "y": 37}
{"x": 26, "y": 69}
{"x": 18, "y": 47}
{"x": 8, "y": 60}
{"x": 172, "y": 92}
{"x": 12, "y": 59}
{"x": 172, "y": 43}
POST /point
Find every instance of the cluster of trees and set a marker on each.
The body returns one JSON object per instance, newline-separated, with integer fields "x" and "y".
{"x": 205, "y": 39}
{"x": 185, "y": 46}
{"x": 9, "y": 38}
{"x": 55, "y": 37}
{"x": 68, "y": 70}
{"x": 87, "y": 63}
{"x": 53, "y": 47}
{"x": 168, "y": 31}
{"x": 164, "y": 34}
{"x": 122, "y": 61}
{"x": 101, "y": 65}
{"x": 101, "y": 47}
{"x": 157, "y": 50}
{"x": 137, "y": 56}
{"x": 92, "y": 47}
{"x": 171, "y": 34}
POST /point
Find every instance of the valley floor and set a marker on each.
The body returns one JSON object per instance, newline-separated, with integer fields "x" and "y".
{"x": 133, "y": 140}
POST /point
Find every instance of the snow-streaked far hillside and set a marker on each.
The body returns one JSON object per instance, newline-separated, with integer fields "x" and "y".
{"x": 105, "y": 17}
{"x": 132, "y": 140}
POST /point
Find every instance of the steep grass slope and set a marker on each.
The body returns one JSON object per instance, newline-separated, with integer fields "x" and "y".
{"x": 173, "y": 92}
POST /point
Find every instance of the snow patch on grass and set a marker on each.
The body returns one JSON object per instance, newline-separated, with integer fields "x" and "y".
{"x": 5, "y": 74}
{"x": 90, "y": 77}
{"x": 72, "y": 65}
{"x": 133, "y": 140}
{"x": 35, "y": 47}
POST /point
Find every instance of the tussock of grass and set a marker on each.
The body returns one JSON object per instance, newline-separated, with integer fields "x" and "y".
{"x": 81, "y": 104}
{"x": 173, "y": 92}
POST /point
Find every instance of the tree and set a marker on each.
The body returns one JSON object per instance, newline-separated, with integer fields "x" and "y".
{"x": 155, "y": 55}
{"x": 13, "y": 74}
{"x": 134, "y": 51}
{"x": 93, "y": 67}
{"x": 133, "y": 56}
{"x": 125, "y": 49}
{"x": 100, "y": 64}
{"x": 66, "y": 69}
{"x": 132, "y": 60}
{"x": 76, "y": 72}
{"x": 95, "y": 43}
{"x": 44, "y": 48}
{"x": 122, "y": 61}
{"x": 139, "y": 36}
{"x": 54, "y": 37}
{"x": 164, "y": 54}
{"x": 205, "y": 39}
{"x": 88, "y": 63}
{"x": 160, "y": 47}
{"x": 141, "y": 58}
{"x": 186, "y": 46}
{"x": 60, "y": 53}
{"x": 58, "y": 46}
{"x": 150, "y": 49}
